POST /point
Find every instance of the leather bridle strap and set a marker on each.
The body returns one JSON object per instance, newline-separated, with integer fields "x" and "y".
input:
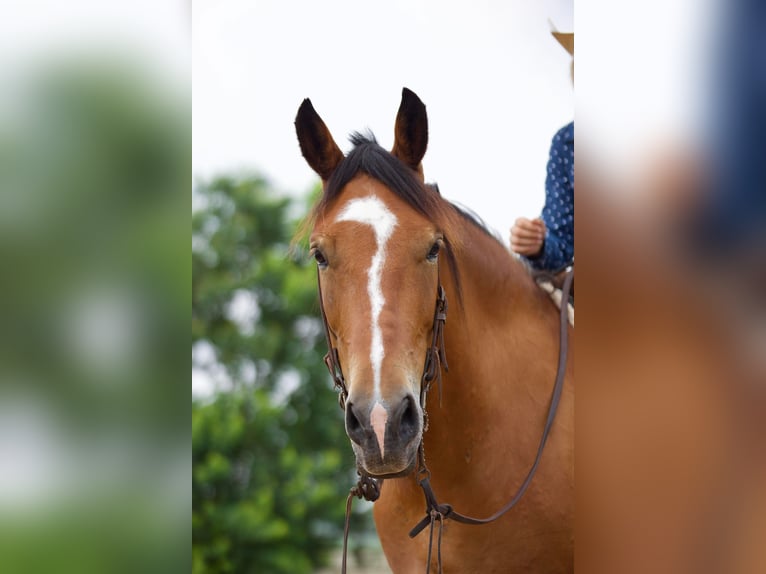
{"x": 436, "y": 357}
{"x": 331, "y": 358}
{"x": 367, "y": 488}
{"x": 441, "y": 512}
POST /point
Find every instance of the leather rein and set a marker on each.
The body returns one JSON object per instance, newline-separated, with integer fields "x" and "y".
{"x": 369, "y": 487}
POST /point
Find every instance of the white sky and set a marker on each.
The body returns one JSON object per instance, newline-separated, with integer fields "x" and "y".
{"x": 495, "y": 83}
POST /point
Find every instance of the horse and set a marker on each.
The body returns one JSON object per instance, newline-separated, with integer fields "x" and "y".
{"x": 386, "y": 246}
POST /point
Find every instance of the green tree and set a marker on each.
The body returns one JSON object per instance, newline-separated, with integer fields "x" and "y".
{"x": 271, "y": 462}
{"x": 94, "y": 177}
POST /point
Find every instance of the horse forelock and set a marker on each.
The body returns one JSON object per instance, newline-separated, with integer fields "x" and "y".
{"x": 369, "y": 157}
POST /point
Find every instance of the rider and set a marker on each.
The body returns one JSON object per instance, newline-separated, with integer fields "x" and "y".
{"x": 547, "y": 242}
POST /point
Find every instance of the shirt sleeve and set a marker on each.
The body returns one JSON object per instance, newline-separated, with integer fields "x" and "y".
{"x": 558, "y": 212}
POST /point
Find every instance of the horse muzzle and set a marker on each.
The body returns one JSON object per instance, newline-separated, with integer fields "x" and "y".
{"x": 385, "y": 435}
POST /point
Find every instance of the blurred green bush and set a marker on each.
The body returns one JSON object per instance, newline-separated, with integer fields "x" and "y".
{"x": 94, "y": 198}
{"x": 271, "y": 461}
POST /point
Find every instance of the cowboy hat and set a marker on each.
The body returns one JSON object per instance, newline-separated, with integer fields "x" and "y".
{"x": 566, "y": 39}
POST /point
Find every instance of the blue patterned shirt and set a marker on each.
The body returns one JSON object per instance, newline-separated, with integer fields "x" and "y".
{"x": 558, "y": 213}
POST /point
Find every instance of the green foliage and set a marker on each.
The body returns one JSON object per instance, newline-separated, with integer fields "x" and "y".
{"x": 94, "y": 178}
{"x": 271, "y": 462}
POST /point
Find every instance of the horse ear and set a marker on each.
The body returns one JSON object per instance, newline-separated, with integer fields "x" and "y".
{"x": 317, "y": 145}
{"x": 411, "y": 131}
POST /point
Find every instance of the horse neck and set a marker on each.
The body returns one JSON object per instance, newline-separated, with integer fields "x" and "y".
{"x": 497, "y": 291}
{"x": 500, "y": 341}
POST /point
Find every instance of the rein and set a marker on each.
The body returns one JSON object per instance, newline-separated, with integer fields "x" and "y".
{"x": 369, "y": 488}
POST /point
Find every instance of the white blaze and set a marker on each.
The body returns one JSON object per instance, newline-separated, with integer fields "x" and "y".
{"x": 373, "y": 212}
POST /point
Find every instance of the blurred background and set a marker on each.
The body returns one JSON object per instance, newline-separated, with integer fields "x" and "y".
{"x": 95, "y": 147}
{"x": 671, "y": 264}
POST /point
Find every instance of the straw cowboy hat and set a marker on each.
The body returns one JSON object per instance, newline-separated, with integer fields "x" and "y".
{"x": 566, "y": 39}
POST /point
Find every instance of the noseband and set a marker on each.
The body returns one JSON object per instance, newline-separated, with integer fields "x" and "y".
{"x": 369, "y": 488}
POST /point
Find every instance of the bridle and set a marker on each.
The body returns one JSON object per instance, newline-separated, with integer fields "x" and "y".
{"x": 368, "y": 487}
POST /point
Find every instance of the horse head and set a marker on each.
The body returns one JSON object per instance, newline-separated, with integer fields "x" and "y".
{"x": 377, "y": 234}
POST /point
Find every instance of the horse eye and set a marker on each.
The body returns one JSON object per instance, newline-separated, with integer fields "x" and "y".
{"x": 434, "y": 253}
{"x": 320, "y": 258}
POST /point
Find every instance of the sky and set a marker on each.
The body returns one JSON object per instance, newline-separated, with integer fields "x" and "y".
{"x": 495, "y": 83}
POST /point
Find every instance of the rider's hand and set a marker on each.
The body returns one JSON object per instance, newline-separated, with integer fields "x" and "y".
{"x": 527, "y": 236}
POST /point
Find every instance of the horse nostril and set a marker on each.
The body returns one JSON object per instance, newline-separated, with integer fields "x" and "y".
{"x": 409, "y": 423}
{"x": 353, "y": 425}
